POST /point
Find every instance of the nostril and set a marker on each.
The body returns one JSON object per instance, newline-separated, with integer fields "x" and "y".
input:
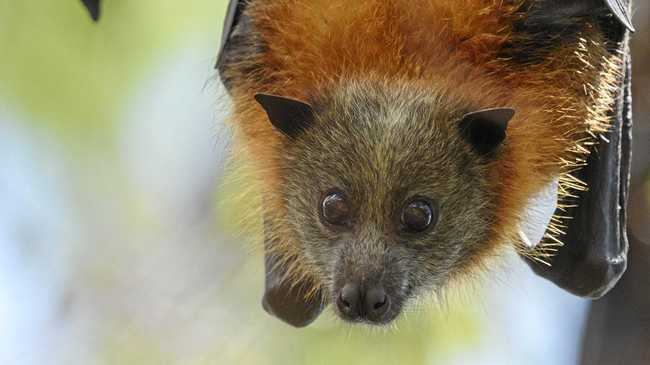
{"x": 380, "y": 304}
{"x": 348, "y": 300}
{"x": 377, "y": 302}
{"x": 344, "y": 302}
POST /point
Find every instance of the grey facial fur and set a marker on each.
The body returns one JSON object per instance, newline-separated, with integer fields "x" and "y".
{"x": 382, "y": 146}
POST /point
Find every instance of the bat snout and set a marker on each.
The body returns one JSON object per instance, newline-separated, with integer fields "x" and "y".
{"x": 366, "y": 303}
{"x": 370, "y": 282}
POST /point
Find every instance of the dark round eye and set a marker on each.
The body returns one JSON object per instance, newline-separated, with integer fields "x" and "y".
{"x": 418, "y": 215}
{"x": 335, "y": 209}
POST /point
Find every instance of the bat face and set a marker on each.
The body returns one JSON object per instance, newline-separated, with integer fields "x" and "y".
{"x": 387, "y": 195}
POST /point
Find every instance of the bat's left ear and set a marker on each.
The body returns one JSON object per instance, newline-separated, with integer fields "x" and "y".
{"x": 93, "y": 8}
{"x": 289, "y": 301}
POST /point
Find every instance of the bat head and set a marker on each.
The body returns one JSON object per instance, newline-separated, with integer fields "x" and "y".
{"x": 386, "y": 191}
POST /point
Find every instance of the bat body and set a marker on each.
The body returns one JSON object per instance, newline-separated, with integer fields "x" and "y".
{"x": 399, "y": 144}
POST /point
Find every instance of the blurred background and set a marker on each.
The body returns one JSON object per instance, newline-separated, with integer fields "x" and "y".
{"x": 116, "y": 246}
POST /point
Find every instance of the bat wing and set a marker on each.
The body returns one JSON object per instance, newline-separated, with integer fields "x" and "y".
{"x": 621, "y": 10}
{"x": 233, "y": 14}
{"x": 594, "y": 255}
{"x": 235, "y": 40}
{"x": 288, "y": 300}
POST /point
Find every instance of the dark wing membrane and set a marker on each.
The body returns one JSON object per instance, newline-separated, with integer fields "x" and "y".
{"x": 239, "y": 43}
{"x": 233, "y": 14}
{"x": 235, "y": 8}
{"x": 288, "y": 300}
{"x": 594, "y": 256}
{"x": 548, "y": 24}
{"x": 621, "y": 11}
{"x": 556, "y": 12}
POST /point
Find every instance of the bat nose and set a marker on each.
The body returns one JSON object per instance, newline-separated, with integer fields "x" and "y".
{"x": 359, "y": 303}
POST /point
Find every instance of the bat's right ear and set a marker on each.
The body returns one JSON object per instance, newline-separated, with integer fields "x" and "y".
{"x": 93, "y": 8}
{"x": 289, "y": 116}
{"x": 289, "y": 301}
{"x": 485, "y": 129}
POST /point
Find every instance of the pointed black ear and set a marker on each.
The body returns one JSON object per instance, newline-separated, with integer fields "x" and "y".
{"x": 289, "y": 116}
{"x": 486, "y": 129}
{"x": 93, "y": 8}
{"x": 289, "y": 301}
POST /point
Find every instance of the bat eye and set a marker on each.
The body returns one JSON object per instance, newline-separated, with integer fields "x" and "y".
{"x": 418, "y": 215}
{"x": 335, "y": 209}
